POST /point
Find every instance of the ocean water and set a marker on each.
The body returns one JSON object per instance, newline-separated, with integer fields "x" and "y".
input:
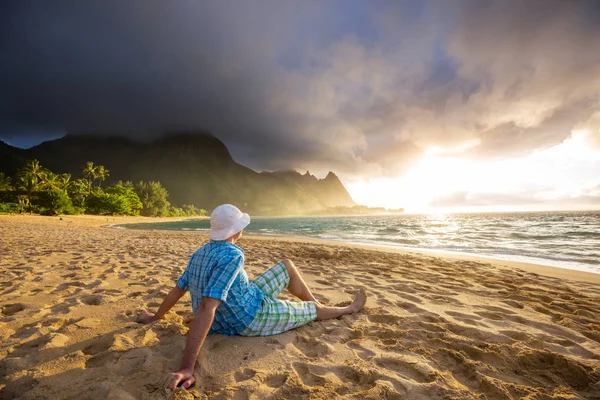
{"x": 561, "y": 239}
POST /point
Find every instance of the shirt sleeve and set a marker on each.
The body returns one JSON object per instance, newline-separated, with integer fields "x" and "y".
{"x": 223, "y": 277}
{"x": 183, "y": 280}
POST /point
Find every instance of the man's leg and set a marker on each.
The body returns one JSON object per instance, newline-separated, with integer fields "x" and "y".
{"x": 334, "y": 312}
{"x": 297, "y": 286}
{"x": 277, "y": 316}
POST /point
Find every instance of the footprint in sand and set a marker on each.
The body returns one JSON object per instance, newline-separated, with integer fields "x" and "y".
{"x": 276, "y": 380}
{"x": 406, "y": 369}
{"x": 94, "y": 284}
{"x": 26, "y": 331}
{"x": 92, "y": 300}
{"x": 359, "y": 376}
{"x": 98, "y": 346}
{"x": 361, "y": 351}
{"x": 132, "y": 360}
{"x": 444, "y": 299}
{"x": 63, "y": 308}
{"x": 497, "y": 309}
{"x": 307, "y": 377}
{"x": 490, "y": 315}
{"x": 410, "y": 307}
{"x": 10, "y": 309}
{"x": 409, "y": 297}
{"x": 464, "y": 316}
{"x": 102, "y": 360}
{"x": 382, "y": 299}
{"x": 467, "y": 318}
{"x": 244, "y": 375}
{"x": 48, "y": 341}
{"x": 386, "y": 319}
{"x": 312, "y": 347}
{"x": 513, "y": 303}
{"x": 516, "y": 335}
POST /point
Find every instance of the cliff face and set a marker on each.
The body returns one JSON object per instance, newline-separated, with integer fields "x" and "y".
{"x": 196, "y": 168}
{"x": 327, "y": 192}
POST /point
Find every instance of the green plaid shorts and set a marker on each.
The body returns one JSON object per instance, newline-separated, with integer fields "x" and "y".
{"x": 277, "y": 316}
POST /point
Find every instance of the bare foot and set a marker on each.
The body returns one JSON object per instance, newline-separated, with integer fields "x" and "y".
{"x": 360, "y": 299}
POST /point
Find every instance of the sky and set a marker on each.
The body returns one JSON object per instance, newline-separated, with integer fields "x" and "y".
{"x": 427, "y": 105}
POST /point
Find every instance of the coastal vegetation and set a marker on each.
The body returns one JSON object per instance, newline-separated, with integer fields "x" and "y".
{"x": 35, "y": 189}
{"x": 194, "y": 167}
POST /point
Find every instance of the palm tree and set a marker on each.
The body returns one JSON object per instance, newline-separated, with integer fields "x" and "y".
{"x": 33, "y": 168}
{"x": 64, "y": 180}
{"x": 30, "y": 179}
{"x": 101, "y": 174}
{"x": 29, "y": 184}
{"x": 50, "y": 181}
{"x": 78, "y": 190}
{"x": 23, "y": 201}
{"x": 89, "y": 172}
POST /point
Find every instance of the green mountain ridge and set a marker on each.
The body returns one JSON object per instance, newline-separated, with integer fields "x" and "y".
{"x": 195, "y": 167}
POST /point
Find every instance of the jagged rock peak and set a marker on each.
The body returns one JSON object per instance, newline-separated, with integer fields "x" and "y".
{"x": 331, "y": 176}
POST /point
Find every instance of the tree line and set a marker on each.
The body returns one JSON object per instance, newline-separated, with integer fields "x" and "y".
{"x": 37, "y": 189}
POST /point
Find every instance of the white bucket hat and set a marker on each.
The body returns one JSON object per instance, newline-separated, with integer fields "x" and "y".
{"x": 227, "y": 220}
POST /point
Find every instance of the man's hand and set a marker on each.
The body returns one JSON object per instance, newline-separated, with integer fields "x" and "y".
{"x": 183, "y": 376}
{"x": 146, "y": 317}
{"x": 169, "y": 301}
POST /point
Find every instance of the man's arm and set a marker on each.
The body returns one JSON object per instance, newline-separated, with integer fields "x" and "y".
{"x": 195, "y": 340}
{"x": 172, "y": 298}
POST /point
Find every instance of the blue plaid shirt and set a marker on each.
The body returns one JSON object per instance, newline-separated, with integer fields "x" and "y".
{"x": 217, "y": 270}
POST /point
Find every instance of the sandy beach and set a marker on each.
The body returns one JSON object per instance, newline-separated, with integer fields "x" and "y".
{"x": 434, "y": 327}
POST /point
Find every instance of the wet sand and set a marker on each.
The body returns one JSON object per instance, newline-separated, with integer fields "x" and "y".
{"x": 434, "y": 326}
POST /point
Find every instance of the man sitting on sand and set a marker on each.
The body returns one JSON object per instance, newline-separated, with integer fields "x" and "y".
{"x": 225, "y": 301}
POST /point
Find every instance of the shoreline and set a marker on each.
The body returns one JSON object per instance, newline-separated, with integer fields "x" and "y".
{"x": 548, "y": 270}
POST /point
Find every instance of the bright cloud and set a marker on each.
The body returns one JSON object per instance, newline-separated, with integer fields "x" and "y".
{"x": 566, "y": 175}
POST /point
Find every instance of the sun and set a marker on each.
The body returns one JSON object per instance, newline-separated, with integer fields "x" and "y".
{"x": 431, "y": 178}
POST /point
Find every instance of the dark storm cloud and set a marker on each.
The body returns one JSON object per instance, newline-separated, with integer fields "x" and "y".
{"x": 359, "y": 87}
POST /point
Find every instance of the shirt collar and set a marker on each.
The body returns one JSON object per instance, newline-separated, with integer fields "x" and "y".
{"x": 226, "y": 243}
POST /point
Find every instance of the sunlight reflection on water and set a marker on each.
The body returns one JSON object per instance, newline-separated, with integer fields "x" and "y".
{"x": 562, "y": 239}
